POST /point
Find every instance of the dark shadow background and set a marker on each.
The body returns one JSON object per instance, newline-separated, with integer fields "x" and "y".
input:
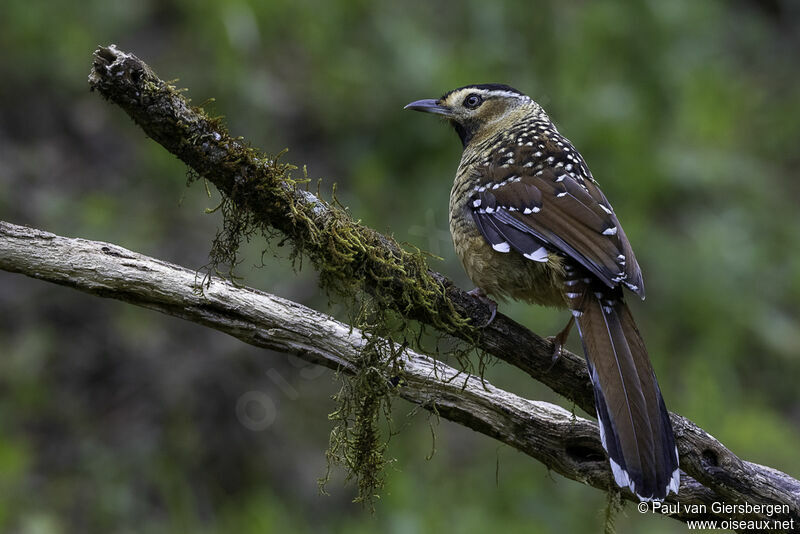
{"x": 114, "y": 418}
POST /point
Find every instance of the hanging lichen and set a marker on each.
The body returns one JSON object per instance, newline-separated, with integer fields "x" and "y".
{"x": 357, "y": 440}
{"x": 613, "y": 508}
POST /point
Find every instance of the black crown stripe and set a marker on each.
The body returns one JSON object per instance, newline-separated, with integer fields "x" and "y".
{"x": 487, "y": 87}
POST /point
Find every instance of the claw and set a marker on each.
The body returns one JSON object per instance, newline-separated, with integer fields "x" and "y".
{"x": 557, "y": 350}
{"x": 481, "y": 295}
{"x": 558, "y": 342}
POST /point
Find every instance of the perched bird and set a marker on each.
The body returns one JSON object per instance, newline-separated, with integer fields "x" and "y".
{"x": 529, "y": 222}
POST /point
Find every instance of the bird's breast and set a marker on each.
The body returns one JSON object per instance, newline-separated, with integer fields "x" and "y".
{"x": 500, "y": 274}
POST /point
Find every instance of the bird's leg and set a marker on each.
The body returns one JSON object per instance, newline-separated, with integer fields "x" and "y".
{"x": 559, "y": 340}
{"x": 481, "y": 295}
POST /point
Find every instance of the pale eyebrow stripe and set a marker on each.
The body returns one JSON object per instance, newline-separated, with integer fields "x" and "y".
{"x": 504, "y": 93}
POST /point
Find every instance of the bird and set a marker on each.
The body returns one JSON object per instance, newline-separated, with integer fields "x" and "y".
{"x": 529, "y": 222}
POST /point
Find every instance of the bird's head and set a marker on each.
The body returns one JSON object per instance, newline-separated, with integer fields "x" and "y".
{"x": 475, "y": 110}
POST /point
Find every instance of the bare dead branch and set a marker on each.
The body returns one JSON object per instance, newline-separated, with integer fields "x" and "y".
{"x": 567, "y": 444}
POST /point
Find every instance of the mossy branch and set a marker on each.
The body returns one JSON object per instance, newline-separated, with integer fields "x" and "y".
{"x": 352, "y": 256}
{"x": 348, "y": 254}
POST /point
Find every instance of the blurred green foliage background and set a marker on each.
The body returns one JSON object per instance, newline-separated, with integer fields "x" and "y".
{"x": 114, "y": 418}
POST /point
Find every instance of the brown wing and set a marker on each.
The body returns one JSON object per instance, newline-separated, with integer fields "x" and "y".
{"x": 539, "y": 196}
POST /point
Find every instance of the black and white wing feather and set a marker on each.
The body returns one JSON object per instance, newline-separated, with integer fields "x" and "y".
{"x": 540, "y": 193}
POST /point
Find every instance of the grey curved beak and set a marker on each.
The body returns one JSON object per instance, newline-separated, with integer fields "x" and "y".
{"x": 429, "y": 105}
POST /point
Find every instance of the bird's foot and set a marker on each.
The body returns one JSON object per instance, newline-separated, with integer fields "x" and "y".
{"x": 481, "y": 295}
{"x": 558, "y": 341}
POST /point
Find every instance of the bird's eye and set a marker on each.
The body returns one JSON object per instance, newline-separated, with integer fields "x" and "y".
{"x": 473, "y": 101}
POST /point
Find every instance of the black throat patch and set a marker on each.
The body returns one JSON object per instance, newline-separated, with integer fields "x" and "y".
{"x": 465, "y": 130}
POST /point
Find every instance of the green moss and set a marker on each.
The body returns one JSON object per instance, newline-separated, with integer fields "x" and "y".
{"x": 261, "y": 197}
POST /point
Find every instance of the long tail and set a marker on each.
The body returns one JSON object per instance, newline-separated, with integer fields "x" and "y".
{"x": 634, "y": 423}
